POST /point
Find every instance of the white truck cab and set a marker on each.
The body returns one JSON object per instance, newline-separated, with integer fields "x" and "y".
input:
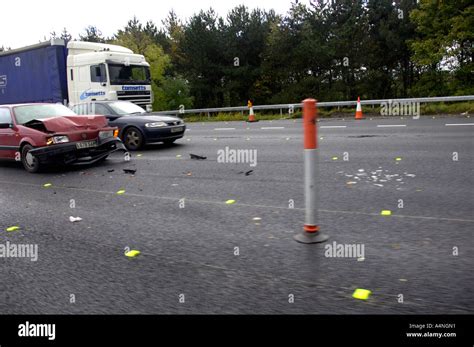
{"x": 98, "y": 71}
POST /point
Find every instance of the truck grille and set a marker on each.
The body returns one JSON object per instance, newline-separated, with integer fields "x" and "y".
{"x": 140, "y": 98}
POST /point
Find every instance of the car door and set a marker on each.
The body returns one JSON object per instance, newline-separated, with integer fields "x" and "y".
{"x": 98, "y": 77}
{"x": 9, "y": 138}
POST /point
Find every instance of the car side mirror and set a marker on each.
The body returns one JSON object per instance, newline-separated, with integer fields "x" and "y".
{"x": 6, "y": 125}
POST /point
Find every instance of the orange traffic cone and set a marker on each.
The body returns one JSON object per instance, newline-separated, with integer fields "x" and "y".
{"x": 359, "y": 114}
{"x": 251, "y": 114}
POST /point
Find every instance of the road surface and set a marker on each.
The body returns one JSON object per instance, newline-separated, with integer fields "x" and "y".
{"x": 213, "y": 257}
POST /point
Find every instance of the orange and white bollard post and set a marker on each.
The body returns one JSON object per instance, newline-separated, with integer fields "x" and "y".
{"x": 311, "y": 232}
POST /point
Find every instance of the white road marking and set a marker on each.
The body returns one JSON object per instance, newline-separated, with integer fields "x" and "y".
{"x": 458, "y": 124}
{"x": 253, "y": 206}
{"x": 391, "y": 125}
{"x": 224, "y": 129}
{"x": 271, "y": 128}
{"x": 333, "y": 126}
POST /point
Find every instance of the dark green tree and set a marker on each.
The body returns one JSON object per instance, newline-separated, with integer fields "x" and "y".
{"x": 444, "y": 48}
{"x": 65, "y": 35}
{"x": 92, "y": 34}
{"x": 203, "y": 58}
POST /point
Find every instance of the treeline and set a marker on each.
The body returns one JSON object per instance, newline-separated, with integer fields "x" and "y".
{"x": 330, "y": 50}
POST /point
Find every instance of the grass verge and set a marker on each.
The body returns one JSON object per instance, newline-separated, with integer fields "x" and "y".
{"x": 457, "y": 108}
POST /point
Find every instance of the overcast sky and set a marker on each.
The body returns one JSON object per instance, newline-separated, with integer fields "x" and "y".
{"x": 26, "y": 22}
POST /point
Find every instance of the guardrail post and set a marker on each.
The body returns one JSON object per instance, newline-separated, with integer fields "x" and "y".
{"x": 311, "y": 232}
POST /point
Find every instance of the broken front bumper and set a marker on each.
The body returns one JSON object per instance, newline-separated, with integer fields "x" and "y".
{"x": 68, "y": 153}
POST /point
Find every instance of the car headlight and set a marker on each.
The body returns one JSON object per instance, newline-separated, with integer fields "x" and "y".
{"x": 57, "y": 139}
{"x": 156, "y": 125}
{"x": 106, "y": 134}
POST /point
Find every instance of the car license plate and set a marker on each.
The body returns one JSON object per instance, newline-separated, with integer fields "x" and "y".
{"x": 86, "y": 144}
{"x": 176, "y": 130}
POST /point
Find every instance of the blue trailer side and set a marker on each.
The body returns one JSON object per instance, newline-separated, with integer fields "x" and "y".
{"x": 34, "y": 74}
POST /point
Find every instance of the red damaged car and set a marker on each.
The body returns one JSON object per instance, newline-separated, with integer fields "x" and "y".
{"x": 41, "y": 134}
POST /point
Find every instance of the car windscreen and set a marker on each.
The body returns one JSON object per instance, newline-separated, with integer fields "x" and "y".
{"x": 129, "y": 74}
{"x": 26, "y": 113}
{"x": 124, "y": 108}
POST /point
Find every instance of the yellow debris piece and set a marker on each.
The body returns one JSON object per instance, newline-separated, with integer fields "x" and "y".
{"x": 13, "y": 228}
{"x": 133, "y": 253}
{"x": 230, "y": 202}
{"x": 386, "y": 213}
{"x": 121, "y": 192}
{"x": 47, "y": 185}
{"x": 361, "y": 294}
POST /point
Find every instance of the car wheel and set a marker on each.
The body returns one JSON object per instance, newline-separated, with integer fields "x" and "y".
{"x": 29, "y": 161}
{"x": 133, "y": 139}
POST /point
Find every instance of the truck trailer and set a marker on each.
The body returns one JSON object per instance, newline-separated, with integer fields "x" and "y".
{"x": 78, "y": 72}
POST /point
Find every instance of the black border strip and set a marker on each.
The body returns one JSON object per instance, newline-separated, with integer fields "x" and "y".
{"x": 324, "y": 330}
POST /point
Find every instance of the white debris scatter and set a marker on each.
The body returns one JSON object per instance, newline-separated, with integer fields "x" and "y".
{"x": 377, "y": 177}
{"x": 74, "y": 219}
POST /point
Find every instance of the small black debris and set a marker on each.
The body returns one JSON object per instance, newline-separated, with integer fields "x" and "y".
{"x": 129, "y": 171}
{"x": 111, "y": 170}
{"x": 248, "y": 173}
{"x": 198, "y": 157}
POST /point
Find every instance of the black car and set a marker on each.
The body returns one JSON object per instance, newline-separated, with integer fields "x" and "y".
{"x": 136, "y": 126}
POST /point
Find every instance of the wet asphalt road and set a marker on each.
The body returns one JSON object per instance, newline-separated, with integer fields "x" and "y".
{"x": 81, "y": 267}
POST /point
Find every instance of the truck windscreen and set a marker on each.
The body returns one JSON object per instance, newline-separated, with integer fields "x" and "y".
{"x": 131, "y": 74}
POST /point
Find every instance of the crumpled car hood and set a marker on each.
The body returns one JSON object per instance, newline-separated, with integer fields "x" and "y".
{"x": 68, "y": 123}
